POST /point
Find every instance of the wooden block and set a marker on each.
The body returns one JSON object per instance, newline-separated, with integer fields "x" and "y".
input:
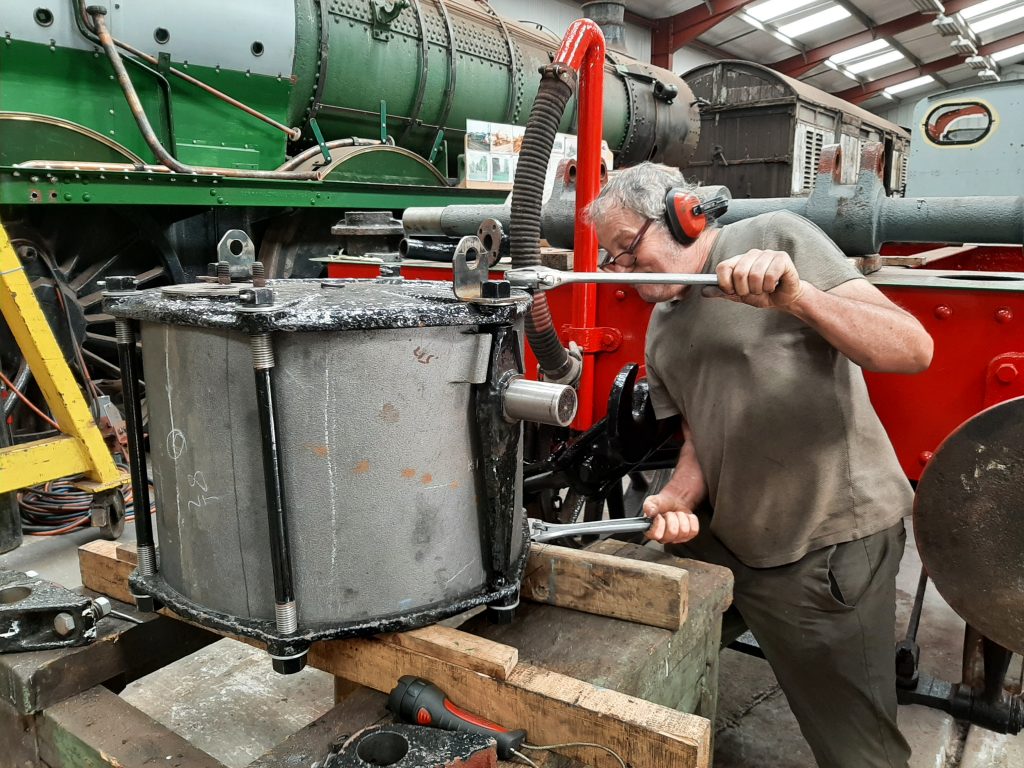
{"x": 925, "y": 257}
{"x": 18, "y": 737}
{"x": 553, "y": 708}
{"x": 103, "y": 569}
{"x": 98, "y": 728}
{"x": 606, "y": 585}
{"x": 677, "y": 669}
{"x": 467, "y": 651}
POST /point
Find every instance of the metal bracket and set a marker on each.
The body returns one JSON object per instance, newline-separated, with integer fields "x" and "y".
{"x": 471, "y": 281}
{"x": 37, "y": 615}
{"x": 385, "y": 12}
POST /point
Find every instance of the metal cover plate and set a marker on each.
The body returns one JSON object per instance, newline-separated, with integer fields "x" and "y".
{"x": 968, "y": 515}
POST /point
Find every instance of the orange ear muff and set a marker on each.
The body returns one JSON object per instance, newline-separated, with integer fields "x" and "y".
{"x": 687, "y": 216}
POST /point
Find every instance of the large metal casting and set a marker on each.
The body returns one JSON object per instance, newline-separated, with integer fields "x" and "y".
{"x": 376, "y": 522}
{"x": 967, "y": 520}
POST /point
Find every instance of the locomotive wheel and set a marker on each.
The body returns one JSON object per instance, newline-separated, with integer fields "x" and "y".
{"x": 967, "y": 520}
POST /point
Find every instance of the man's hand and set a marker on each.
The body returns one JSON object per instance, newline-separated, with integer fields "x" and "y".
{"x": 763, "y": 279}
{"x": 673, "y": 521}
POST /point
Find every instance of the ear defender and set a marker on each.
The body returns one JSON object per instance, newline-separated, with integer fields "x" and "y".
{"x": 687, "y": 216}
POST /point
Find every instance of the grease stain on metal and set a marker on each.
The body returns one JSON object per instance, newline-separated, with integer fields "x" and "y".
{"x": 361, "y": 468}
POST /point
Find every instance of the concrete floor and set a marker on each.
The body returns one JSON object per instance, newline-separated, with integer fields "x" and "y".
{"x": 754, "y": 727}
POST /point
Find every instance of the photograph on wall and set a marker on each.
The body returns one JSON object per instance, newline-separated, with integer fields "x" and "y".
{"x": 501, "y": 168}
{"x": 478, "y": 166}
{"x": 478, "y": 136}
{"x": 502, "y": 142}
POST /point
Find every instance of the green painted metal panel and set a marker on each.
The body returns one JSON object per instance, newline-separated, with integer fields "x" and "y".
{"x": 134, "y": 188}
{"x": 79, "y": 86}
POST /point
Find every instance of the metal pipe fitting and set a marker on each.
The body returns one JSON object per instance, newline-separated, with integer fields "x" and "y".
{"x": 539, "y": 401}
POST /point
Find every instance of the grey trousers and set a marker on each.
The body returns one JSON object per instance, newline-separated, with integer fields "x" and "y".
{"x": 826, "y": 624}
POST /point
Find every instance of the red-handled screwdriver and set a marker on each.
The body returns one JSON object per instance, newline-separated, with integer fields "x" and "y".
{"x": 420, "y": 702}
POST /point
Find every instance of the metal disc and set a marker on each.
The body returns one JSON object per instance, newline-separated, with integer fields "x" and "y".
{"x": 969, "y": 522}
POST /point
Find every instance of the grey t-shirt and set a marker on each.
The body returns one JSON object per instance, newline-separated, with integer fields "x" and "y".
{"x": 794, "y": 455}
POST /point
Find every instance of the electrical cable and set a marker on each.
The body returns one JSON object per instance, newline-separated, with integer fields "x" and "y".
{"x": 545, "y": 747}
{"x": 524, "y": 758}
{"x": 59, "y": 507}
{"x": 10, "y": 385}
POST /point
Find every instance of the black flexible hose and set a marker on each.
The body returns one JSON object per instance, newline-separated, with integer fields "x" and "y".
{"x": 558, "y": 82}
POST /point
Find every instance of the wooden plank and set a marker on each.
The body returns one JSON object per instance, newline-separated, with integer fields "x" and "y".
{"x": 467, "y": 651}
{"x": 606, "y": 585}
{"x": 925, "y": 257}
{"x": 18, "y": 738}
{"x": 677, "y": 669}
{"x": 99, "y": 729}
{"x": 105, "y": 567}
{"x": 103, "y": 571}
{"x": 553, "y": 708}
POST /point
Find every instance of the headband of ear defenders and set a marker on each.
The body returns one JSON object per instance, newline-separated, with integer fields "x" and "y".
{"x": 687, "y": 216}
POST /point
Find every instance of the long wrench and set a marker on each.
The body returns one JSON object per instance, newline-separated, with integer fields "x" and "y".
{"x": 541, "y": 532}
{"x": 546, "y": 278}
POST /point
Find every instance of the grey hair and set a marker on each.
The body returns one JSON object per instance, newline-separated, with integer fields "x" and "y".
{"x": 641, "y": 188}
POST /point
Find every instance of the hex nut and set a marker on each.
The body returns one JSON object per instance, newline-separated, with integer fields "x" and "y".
{"x": 256, "y": 297}
{"x": 63, "y": 624}
{"x": 101, "y": 607}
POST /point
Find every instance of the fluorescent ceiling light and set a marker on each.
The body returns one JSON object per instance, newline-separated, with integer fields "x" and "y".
{"x": 861, "y": 50}
{"x": 772, "y": 9}
{"x": 982, "y": 8}
{"x": 875, "y": 61}
{"x": 815, "y": 21}
{"x": 1009, "y": 53}
{"x": 910, "y": 85}
{"x": 998, "y": 20}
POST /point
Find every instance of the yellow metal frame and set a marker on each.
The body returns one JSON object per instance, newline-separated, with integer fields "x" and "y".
{"x": 81, "y": 449}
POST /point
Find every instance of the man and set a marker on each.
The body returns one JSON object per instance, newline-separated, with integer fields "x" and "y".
{"x": 786, "y": 475}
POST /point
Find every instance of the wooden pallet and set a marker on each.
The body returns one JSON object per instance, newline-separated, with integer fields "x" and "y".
{"x": 60, "y": 710}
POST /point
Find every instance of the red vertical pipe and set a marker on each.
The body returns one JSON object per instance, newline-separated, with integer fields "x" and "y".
{"x": 583, "y": 49}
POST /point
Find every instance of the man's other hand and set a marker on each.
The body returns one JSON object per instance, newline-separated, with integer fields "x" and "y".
{"x": 764, "y": 279}
{"x": 673, "y": 522}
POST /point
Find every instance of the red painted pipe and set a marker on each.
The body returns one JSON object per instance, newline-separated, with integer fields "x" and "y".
{"x": 583, "y": 49}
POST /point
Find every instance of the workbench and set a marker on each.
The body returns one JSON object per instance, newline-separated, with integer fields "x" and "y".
{"x": 646, "y": 690}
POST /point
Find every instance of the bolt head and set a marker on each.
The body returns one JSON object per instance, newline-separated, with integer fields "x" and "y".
{"x": 942, "y": 312}
{"x": 256, "y": 297}
{"x": 63, "y": 624}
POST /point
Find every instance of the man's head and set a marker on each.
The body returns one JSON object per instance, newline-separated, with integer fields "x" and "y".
{"x": 629, "y": 216}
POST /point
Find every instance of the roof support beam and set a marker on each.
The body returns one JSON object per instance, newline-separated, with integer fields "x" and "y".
{"x": 673, "y": 32}
{"x": 856, "y": 95}
{"x": 868, "y": 22}
{"x": 796, "y": 66}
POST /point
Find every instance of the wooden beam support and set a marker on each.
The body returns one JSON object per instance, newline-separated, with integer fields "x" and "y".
{"x": 645, "y": 593}
{"x": 99, "y": 729}
{"x": 553, "y": 708}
